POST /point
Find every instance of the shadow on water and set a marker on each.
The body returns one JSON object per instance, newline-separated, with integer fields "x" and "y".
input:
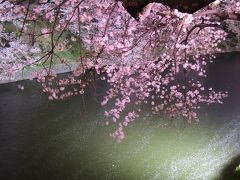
{"x": 232, "y": 170}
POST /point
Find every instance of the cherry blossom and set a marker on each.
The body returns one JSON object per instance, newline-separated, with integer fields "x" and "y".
{"x": 159, "y": 60}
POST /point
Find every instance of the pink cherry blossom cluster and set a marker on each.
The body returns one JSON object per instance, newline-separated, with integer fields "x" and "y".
{"x": 160, "y": 60}
{"x": 15, "y": 55}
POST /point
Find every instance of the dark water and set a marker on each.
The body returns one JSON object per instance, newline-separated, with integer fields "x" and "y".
{"x": 58, "y": 140}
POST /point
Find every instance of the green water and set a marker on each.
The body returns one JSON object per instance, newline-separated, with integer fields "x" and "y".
{"x": 69, "y": 139}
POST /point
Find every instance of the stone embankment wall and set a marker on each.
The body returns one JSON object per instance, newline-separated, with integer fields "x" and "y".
{"x": 28, "y": 74}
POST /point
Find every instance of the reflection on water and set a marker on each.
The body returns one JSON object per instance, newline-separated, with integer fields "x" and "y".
{"x": 68, "y": 140}
{"x": 208, "y": 161}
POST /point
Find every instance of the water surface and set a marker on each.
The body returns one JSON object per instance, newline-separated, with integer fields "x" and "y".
{"x": 65, "y": 140}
